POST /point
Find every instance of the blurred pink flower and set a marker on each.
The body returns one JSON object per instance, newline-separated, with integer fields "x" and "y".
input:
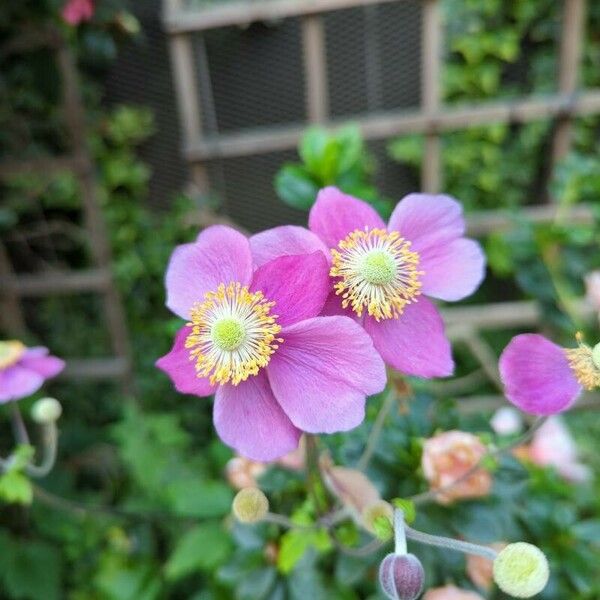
{"x": 553, "y": 446}
{"x": 451, "y": 592}
{"x": 273, "y": 375}
{"x": 382, "y": 275}
{"x": 75, "y": 12}
{"x": 481, "y": 570}
{"x": 446, "y": 458}
{"x": 23, "y": 370}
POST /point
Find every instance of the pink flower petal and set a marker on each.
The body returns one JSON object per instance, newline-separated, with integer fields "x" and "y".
{"x": 428, "y": 221}
{"x": 298, "y": 284}
{"x": 287, "y": 240}
{"x": 333, "y": 307}
{"x": 415, "y": 343}
{"x": 219, "y": 255}
{"x": 536, "y": 375}
{"x": 452, "y": 271}
{"x": 180, "y": 369}
{"x": 37, "y": 359}
{"x": 18, "y": 382}
{"x": 335, "y": 214}
{"x": 249, "y": 419}
{"x": 322, "y": 372}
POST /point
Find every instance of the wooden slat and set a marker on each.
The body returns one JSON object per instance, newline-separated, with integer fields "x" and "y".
{"x": 315, "y": 68}
{"x": 571, "y": 47}
{"x": 244, "y": 13}
{"x": 56, "y": 283}
{"x": 389, "y": 124}
{"x": 45, "y": 166}
{"x": 97, "y": 368}
{"x": 431, "y": 43}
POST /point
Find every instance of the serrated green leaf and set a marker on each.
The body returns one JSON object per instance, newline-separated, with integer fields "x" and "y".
{"x": 16, "y": 488}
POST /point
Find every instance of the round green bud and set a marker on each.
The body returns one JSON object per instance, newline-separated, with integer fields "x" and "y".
{"x": 250, "y": 505}
{"x": 521, "y": 570}
{"x": 596, "y": 356}
{"x": 46, "y": 410}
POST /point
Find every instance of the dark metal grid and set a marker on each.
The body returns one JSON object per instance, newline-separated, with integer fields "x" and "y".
{"x": 256, "y": 76}
{"x": 373, "y": 58}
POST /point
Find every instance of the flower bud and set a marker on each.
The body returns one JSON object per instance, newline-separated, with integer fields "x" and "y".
{"x": 46, "y": 410}
{"x": 250, "y": 505}
{"x": 521, "y": 570}
{"x": 401, "y": 576}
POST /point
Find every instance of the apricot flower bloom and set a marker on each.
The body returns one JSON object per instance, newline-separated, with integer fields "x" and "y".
{"x": 382, "y": 274}
{"x": 23, "y": 370}
{"x": 253, "y": 338}
{"x": 447, "y": 457}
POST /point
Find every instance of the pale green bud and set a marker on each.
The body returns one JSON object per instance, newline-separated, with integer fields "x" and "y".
{"x": 46, "y": 410}
{"x": 250, "y": 505}
{"x": 521, "y": 570}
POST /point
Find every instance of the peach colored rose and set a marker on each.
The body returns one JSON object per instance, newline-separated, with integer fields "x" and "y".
{"x": 480, "y": 569}
{"x": 553, "y": 446}
{"x": 446, "y": 458}
{"x": 451, "y": 592}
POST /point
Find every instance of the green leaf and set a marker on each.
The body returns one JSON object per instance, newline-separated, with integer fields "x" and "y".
{"x": 320, "y": 153}
{"x": 16, "y": 488}
{"x": 295, "y": 187}
{"x": 202, "y": 499}
{"x": 296, "y": 542}
{"x": 202, "y": 548}
{"x": 351, "y": 147}
{"x": 407, "y": 507}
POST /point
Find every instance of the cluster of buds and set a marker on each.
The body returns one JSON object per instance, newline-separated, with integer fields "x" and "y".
{"x": 520, "y": 570}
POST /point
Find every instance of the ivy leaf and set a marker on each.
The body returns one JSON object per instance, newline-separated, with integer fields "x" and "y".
{"x": 295, "y": 187}
{"x": 296, "y": 542}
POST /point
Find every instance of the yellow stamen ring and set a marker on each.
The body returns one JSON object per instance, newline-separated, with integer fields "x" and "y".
{"x": 233, "y": 334}
{"x": 377, "y": 271}
{"x": 10, "y": 353}
{"x": 583, "y": 361}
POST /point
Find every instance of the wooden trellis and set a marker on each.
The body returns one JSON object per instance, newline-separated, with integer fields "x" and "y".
{"x": 15, "y": 286}
{"x": 431, "y": 119}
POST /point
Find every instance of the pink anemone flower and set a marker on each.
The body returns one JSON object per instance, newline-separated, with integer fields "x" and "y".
{"x": 23, "y": 370}
{"x": 541, "y": 378}
{"x": 255, "y": 340}
{"x": 382, "y": 274}
{"x": 75, "y": 12}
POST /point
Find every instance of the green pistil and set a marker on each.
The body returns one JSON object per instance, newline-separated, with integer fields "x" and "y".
{"x": 378, "y": 267}
{"x": 228, "y": 334}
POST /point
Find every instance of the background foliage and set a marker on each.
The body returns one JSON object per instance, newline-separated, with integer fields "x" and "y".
{"x": 138, "y": 507}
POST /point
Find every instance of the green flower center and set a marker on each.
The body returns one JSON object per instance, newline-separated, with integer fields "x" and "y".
{"x": 228, "y": 334}
{"x": 378, "y": 267}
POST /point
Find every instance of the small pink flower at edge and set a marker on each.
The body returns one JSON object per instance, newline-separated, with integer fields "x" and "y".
{"x": 446, "y": 458}
{"x": 553, "y": 446}
{"x": 451, "y": 592}
{"x": 254, "y": 338}
{"x": 541, "y": 378}
{"x": 75, "y": 12}
{"x": 382, "y": 274}
{"x": 23, "y": 370}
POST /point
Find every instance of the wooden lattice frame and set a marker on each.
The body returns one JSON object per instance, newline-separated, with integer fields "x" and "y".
{"x": 431, "y": 119}
{"x": 98, "y": 279}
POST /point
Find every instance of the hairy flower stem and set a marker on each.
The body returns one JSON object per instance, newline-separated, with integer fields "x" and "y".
{"x": 399, "y": 533}
{"x": 450, "y": 543}
{"x": 314, "y": 481}
{"x": 49, "y": 449}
